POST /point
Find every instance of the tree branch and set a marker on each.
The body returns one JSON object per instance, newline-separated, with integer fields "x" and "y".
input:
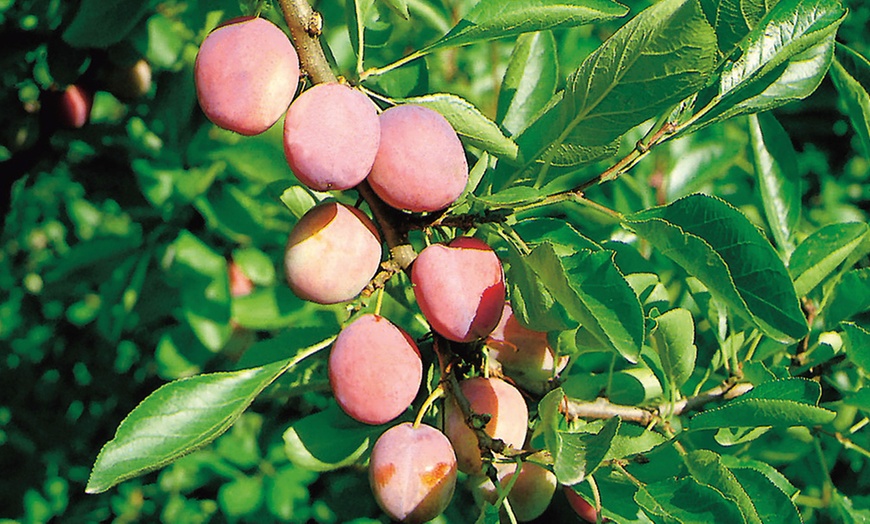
{"x": 305, "y": 27}
{"x": 601, "y": 408}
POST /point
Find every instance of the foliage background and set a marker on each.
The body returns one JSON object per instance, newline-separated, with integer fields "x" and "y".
{"x": 112, "y": 231}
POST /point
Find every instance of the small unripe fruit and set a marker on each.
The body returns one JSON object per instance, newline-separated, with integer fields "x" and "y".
{"x": 332, "y": 253}
{"x": 128, "y": 83}
{"x": 525, "y": 355}
{"x": 420, "y": 165}
{"x": 412, "y": 472}
{"x": 375, "y": 370}
{"x": 74, "y": 108}
{"x": 246, "y": 75}
{"x": 509, "y": 419}
{"x": 460, "y": 288}
{"x": 331, "y": 137}
{"x": 531, "y": 493}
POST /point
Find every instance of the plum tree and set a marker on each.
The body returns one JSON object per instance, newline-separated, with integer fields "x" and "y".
{"x": 525, "y": 355}
{"x": 412, "y": 472}
{"x": 246, "y": 75}
{"x": 460, "y": 288}
{"x": 375, "y": 370}
{"x": 530, "y": 495}
{"x": 331, "y": 137}
{"x": 420, "y": 164}
{"x": 509, "y": 419}
{"x": 74, "y": 106}
{"x": 319, "y": 248}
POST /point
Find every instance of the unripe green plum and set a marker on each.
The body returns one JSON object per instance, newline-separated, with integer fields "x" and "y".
{"x": 332, "y": 253}
{"x": 460, "y": 288}
{"x": 412, "y": 472}
{"x": 74, "y": 106}
{"x": 525, "y": 355}
{"x": 246, "y": 75}
{"x": 130, "y": 82}
{"x": 375, "y": 370}
{"x": 331, "y": 137}
{"x": 420, "y": 165}
{"x": 530, "y": 495}
{"x": 509, "y": 419}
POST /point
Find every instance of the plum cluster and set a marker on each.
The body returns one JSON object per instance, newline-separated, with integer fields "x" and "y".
{"x": 335, "y": 138}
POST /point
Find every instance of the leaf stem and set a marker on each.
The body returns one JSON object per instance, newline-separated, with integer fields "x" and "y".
{"x": 596, "y": 497}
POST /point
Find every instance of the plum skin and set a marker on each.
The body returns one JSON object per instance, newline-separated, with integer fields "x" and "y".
{"x": 420, "y": 165}
{"x": 331, "y": 137}
{"x": 246, "y": 74}
{"x": 75, "y": 103}
{"x": 332, "y": 253}
{"x": 460, "y": 288}
{"x": 524, "y": 354}
{"x": 375, "y": 370}
{"x": 509, "y": 419}
{"x": 412, "y": 472}
{"x": 531, "y": 493}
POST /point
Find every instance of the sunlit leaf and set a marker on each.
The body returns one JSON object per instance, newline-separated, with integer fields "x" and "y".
{"x": 719, "y": 246}
{"x": 851, "y": 75}
{"x": 777, "y": 174}
{"x": 822, "y": 252}
{"x": 490, "y": 19}
{"x": 659, "y": 57}
{"x": 181, "y": 417}
{"x": 529, "y": 81}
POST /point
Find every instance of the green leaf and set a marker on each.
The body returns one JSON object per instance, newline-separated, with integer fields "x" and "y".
{"x": 181, "y": 417}
{"x": 733, "y": 19}
{"x": 822, "y": 252}
{"x": 777, "y": 403}
{"x": 399, "y": 6}
{"x": 851, "y": 295}
{"x": 857, "y": 344}
{"x": 771, "y": 473}
{"x": 205, "y": 295}
{"x": 268, "y": 308}
{"x": 718, "y": 245}
{"x": 784, "y": 58}
{"x": 674, "y": 342}
{"x": 593, "y": 292}
{"x": 531, "y": 300}
{"x": 529, "y": 81}
{"x": 511, "y": 196}
{"x": 578, "y": 455}
{"x": 685, "y": 501}
{"x": 470, "y": 124}
{"x": 490, "y": 19}
{"x": 241, "y": 496}
{"x": 328, "y": 440}
{"x": 101, "y": 23}
{"x": 776, "y": 171}
{"x": 851, "y": 75}
{"x": 657, "y": 59}
{"x": 772, "y": 504}
{"x": 707, "y": 468}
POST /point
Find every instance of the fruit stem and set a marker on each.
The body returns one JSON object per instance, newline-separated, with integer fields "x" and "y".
{"x": 596, "y": 497}
{"x": 437, "y": 393}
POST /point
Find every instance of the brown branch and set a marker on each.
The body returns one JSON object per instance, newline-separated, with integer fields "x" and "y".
{"x": 304, "y": 24}
{"x": 601, "y": 408}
